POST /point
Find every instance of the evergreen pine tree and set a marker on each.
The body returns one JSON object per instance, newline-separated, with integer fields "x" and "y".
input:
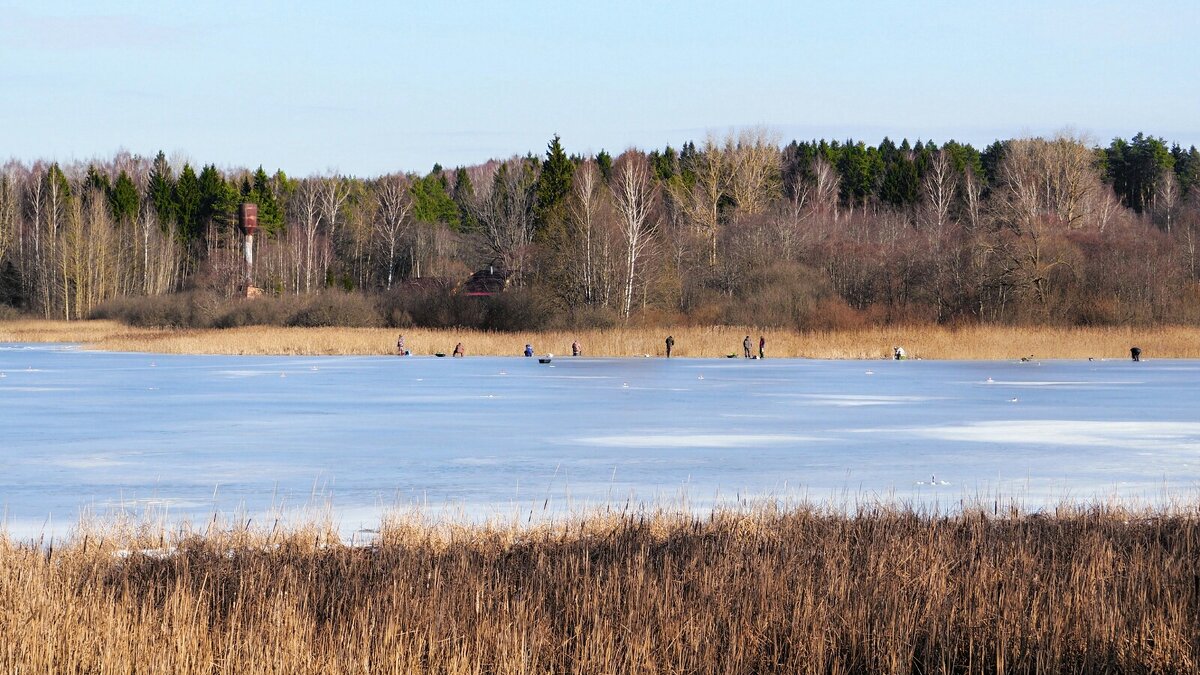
{"x": 431, "y": 200}
{"x": 666, "y": 163}
{"x": 96, "y": 181}
{"x": 270, "y": 214}
{"x": 160, "y": 190}
{"x": 464, "y": 196}
{"x": 553, "y": 185}
{"x": 990, "y": 161}
{"x": 604, "y": 162}
{"x": 218, "y": 199}
{"x": 900, "y": 186}
{"x": 187, "y": 204}
{"x": 123, "y": 199}
{"x": 1187, "y": 168}
{"x": 859, "y": 168}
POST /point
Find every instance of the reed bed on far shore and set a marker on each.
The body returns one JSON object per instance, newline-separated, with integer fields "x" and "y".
{"x": 928, "y": 342}
{"x": 801, "y": 589}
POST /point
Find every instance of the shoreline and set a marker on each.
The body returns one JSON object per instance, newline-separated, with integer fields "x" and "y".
{"x": 971, "y": 343}
{"x": 1086, "y": 589}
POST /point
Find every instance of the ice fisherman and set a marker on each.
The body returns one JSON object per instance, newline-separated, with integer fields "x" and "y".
{"x": 762, "y": 347}
{"x": 459, "y": 350}
{"x": 575, "y": 350}
{"x": 1135, "y": 353}
{"x": 670, "y": 344}
{"x": 899, "y": 354}
{"x": 528, "y": 350}
{"x": 400, "y": 346}
{"x": 746, "y": 347}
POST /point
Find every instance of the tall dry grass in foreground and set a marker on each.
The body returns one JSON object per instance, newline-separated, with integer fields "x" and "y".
{"x": 930, "y": 342}
{"x": 770, "y": 591}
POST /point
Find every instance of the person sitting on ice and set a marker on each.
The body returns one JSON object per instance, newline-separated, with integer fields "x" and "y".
{"x": 899, "y": 354}
{"x": 528, "y": 350}
{"x": 459, "y": 350}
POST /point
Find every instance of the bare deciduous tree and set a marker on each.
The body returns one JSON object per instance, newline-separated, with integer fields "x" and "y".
{"x": 972, "y": 196}
{"x": 939, "y": 190}
{"x": 505, "y": 212}
{"x": 825, "y": 186}
{"x": 393, "y": 204}
{"x": 334, "y": 192}
{"x": 306, "y": 213}
{"x": 701, "y": 203}
{"x": 583, "y": 214}
{"x": 635, "y": 196}
{"x": 754, "y": 165}
{"x": 1166, "y": 199}
{"x": 9, "y": 207}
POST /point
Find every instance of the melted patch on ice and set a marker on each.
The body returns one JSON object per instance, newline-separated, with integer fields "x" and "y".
{"x": 692, "y": 440}
{"x": 1054, "y": 383}
{"x": 1133, "y": 435}
{"x": 93, "y": 462}
{"x": 241, "y": 373}
{"x": 856, "y": 400}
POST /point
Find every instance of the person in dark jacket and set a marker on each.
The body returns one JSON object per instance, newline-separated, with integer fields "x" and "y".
{"x": 670, "y": 344}
{"x": 762, "y": 347}
{"x": 746, "y": 347}
{"x": 1136, "y": 353}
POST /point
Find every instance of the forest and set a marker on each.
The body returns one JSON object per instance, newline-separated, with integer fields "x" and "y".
{"x": 740, "y": 229}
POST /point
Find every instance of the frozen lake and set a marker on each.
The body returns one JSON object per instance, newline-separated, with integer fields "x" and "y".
{"x": 95, "y": 431}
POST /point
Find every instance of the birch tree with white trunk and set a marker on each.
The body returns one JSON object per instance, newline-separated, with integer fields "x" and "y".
{"x": 635, "y": 196}
{"x": 393, "y": 203}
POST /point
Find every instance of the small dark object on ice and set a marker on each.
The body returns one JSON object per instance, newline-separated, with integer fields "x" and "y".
{"x": 544, "y": 359}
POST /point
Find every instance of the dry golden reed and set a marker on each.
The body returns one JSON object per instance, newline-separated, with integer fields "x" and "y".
{"x": 929, "y": 342}
{"x": 769, "y": 590}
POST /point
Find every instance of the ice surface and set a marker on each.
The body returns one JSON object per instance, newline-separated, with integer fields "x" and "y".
{"x": 93, "y": 431}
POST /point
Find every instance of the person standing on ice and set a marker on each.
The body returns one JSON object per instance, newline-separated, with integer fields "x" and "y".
{"x": 528, "y": 350}
{"x": 400, "y": 346}
{"x": 762, "y": 347}
{"x": 459, "y": 350}
{"x": 746, "y": 347}
{"x": 575, "y": 350}
{"x": 670, "y": 344}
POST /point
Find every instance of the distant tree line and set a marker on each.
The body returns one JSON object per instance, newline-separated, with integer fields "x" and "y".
{"x": 738, "y": 229}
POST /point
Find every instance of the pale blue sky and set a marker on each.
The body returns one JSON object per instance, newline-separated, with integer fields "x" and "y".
{"x": 370, "y": 87}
